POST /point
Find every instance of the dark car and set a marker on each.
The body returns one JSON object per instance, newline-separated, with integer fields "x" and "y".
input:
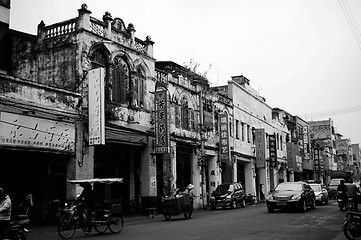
{"x": 332, "y": 188}
{"x": 228, "y": 195}
{"x": 291, "y": 195}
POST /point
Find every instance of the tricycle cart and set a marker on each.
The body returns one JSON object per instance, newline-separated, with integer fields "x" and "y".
{"x": 177, "y": 204}
{"x": 103, "y": 219}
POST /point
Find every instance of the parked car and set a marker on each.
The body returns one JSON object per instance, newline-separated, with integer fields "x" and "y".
{"x": 321, "y": 193}
{"x": 332, "y": 188}
{"x": 291, "y": 195}
{"x": 228, "y": 195}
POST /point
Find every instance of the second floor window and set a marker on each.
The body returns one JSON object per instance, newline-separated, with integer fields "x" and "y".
{"x": 120, "y": 81}
{"x": 184, "y": 114}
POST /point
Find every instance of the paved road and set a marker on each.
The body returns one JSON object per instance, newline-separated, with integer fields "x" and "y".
{"x": 252, "y": 222}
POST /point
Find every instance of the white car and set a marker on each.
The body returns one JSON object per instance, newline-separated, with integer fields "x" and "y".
{"x": 321, "y": 193}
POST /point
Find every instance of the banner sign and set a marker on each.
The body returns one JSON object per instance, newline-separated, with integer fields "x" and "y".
{"x": 96, "y": 106}
{"x": 291, "y": 157}
{"x": 260, "y": 148}
{"x": 162, "y": 139}
{"x": 25, "y": 131}
{"x": 272, "y": 151}
{"x": 223, "y": 137}
{"x": 306, "y": 152}
{"x": 316, "y": 157}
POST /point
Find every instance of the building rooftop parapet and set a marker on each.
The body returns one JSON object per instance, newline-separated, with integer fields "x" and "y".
{"x": 109, "y": 28}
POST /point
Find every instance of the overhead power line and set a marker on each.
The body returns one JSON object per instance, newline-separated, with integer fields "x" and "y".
{"x": 351, "y": 21}
{"x": 310, "y": 116}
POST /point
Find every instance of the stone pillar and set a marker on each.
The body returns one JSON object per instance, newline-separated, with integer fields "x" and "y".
{"x": 131, "y": 31}
{"x": 149, "y": 44}
{"x": 149, "y": 173}
{"x": 169, "y": 170}
{"x": 82, "y": 165}
{"x": 107, "y": 19}
{"x": 41, "y": 32}
{"x": 83, "y": 18}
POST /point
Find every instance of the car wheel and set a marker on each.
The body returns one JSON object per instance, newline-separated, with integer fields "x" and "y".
{"x": 270, "y": 209}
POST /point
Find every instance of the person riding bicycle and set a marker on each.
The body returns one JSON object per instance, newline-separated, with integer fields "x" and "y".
{"x": 86, "y": 201}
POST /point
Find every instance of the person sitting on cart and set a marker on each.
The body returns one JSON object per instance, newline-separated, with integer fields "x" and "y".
{"x": 86, "y": 201}
{"x": 190, "y": 191}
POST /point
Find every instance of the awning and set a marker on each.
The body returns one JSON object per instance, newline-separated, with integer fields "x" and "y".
{"x": 123, "y": 136}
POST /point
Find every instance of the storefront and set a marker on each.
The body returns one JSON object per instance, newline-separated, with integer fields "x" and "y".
{"x": 38, "y": 152}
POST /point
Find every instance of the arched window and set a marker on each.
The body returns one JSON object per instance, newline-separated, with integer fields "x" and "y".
{"x": 184, "y": 113}
{"x": 99, "y": 60}
{"x": 120, "y": 81}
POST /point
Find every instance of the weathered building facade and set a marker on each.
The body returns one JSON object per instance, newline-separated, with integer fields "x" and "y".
{"x": 322, "y": 136}
{"x": 251, "y": 125}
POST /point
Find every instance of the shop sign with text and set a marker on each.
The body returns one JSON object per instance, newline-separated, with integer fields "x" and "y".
{"x": 260, "y": 148}
{"x": 31, "y": 132}
{"x": 272, "y": 151}
{"x": 224, "y": 137}
{"x": 96, "y": 106}
{"x": 162, "y": 139}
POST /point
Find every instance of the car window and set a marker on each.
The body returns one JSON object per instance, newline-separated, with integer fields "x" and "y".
{"x": 223, "y": 188}
{"x": 335, "y": 182}
{"x": 289, "y": 187}
{"x": 316, "y": 187}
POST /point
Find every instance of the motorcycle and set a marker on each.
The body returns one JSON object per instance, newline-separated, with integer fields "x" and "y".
{"x": 16, "y": 229}
{"x": 342, "y": 200}
{"x": 352, "y": 225}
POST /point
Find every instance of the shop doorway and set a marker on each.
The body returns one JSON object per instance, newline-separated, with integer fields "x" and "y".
{"x": 184, "y": 165}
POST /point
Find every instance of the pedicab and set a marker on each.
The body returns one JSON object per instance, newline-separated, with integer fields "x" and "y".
{"x": 72, "y": 217}
{"x": 177, "y": 204}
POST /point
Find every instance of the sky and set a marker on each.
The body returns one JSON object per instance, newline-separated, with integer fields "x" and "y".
{"x": 303, "y": 56}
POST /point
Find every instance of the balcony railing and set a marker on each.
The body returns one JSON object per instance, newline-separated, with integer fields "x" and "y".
{"x": 60, "y": 28}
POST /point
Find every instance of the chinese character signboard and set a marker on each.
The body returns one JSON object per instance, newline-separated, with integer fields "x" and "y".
{"x": 260, "y": 148}
{"x": 272, "y": 151}
{"x": 96, "y": 106}
{"x": 162, "y": 140}
{"x": 32, "y": 132}
{"x": 316, "y": 157}
{"x": 224, "y": 137}
{"x": 306, "y": 152}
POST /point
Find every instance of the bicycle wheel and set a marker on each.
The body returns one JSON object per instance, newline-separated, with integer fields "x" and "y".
{"x": 101, "y": 226}
{"x": 115, "y": 223}
{"x": 66, "y": 227}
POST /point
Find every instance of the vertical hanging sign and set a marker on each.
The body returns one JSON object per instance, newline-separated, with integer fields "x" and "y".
{"x": 96, "y": 106}
{"x": 260, "y": 148}
{"x": 223, "y": 137}
{"x": 316, "y": 157}
{"x": 272, "y": 151}
{"x": 162, "y": 140}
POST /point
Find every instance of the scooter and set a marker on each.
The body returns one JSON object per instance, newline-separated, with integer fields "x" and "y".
{"x": 16, "y": 229}
{"x": 342, "y": 200}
